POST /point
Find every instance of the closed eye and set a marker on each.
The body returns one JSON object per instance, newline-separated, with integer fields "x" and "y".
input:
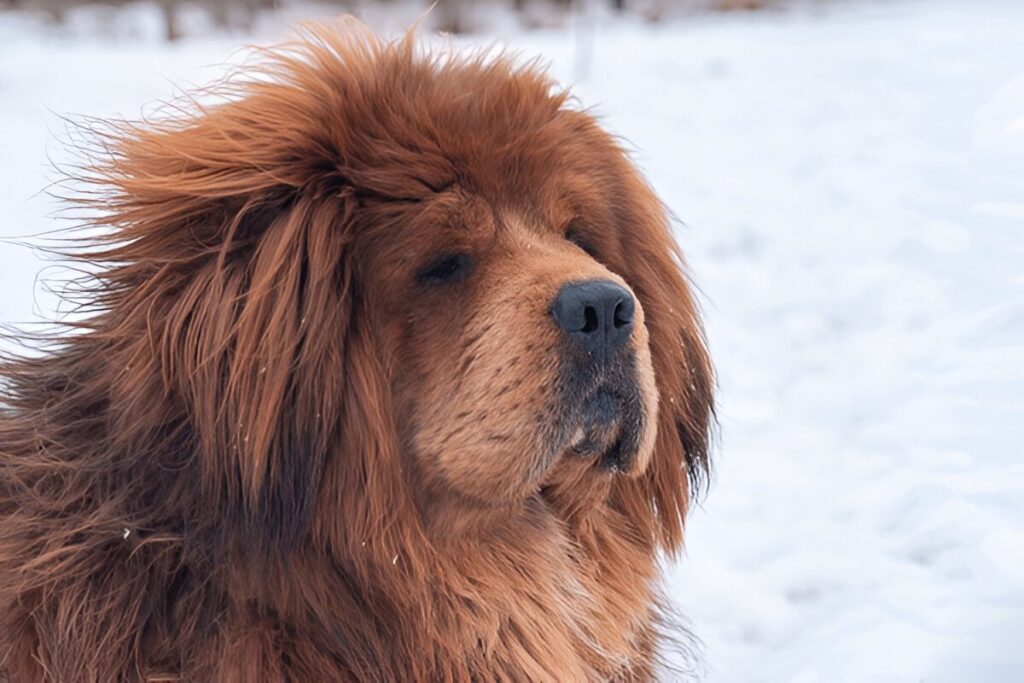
{"x": 575, "y": 236}
{"x": 447, "y": 268}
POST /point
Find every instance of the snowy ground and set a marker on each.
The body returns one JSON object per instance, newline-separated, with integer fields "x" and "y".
{"x": 851, "y": 187}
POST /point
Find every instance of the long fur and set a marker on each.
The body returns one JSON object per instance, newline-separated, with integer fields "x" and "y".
{"x": 209, "y": 477}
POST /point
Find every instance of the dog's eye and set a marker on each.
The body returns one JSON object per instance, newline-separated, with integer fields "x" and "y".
{"x": 448, "y": 268}
{"x": 575, "y": 236}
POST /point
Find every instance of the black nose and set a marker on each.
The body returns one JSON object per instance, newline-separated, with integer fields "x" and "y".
{"x": 597, "y": 314}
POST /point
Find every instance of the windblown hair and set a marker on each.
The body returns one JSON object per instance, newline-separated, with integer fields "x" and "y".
{"x": 289, "y": 443}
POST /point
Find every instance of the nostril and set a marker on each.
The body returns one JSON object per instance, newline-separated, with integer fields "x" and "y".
{"x": 590, "y": 322}
{"x": 623, "y": 315}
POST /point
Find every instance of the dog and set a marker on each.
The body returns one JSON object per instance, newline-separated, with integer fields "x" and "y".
{"x": 388, "y": 369}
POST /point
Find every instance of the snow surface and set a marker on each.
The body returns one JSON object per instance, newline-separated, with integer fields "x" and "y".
{"x": 850, "y": 186}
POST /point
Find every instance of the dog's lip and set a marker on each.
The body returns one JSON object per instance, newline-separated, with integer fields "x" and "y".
{"x": 599, "y": 423}
{"x": 587, "y": 442}
{"x": 578, "y": 437}
{"x": 605, "y": 451}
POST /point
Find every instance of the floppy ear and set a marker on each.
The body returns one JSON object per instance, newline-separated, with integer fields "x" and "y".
{"x": 255, "y": 344}
{"x": 231, "y": 261}
{"x": 680, "y": 464}
{"x": 228, "y": 260}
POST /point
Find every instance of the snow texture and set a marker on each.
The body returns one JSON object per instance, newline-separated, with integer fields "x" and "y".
{"x": 849, "y": 182}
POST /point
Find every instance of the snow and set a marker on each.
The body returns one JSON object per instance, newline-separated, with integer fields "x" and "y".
{"x": 850, "y": 184}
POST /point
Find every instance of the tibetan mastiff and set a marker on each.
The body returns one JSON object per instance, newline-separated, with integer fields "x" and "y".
{"x": 386, "y": 369}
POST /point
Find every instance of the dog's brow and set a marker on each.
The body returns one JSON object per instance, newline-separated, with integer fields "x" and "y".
{"x": 520, "y": 224}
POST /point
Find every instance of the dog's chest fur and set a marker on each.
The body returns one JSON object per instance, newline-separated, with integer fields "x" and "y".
{"x": 535, "y": 600}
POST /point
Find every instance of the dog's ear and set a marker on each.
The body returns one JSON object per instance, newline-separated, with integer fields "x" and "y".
{"x": 680, "y": 465}
{"x": 255, "y": 343}
{"x": 231, "y": 255}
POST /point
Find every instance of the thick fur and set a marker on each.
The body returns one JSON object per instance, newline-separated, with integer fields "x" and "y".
{"x": 274, "y": 451}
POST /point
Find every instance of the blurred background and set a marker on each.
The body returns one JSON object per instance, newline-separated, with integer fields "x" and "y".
{"x": 848, "y": 179}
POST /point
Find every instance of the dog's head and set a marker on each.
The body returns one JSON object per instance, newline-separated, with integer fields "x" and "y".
{"x": 381, "y": 283}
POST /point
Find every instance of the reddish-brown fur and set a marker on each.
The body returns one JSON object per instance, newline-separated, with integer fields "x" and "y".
{"x": 271, "y": 453}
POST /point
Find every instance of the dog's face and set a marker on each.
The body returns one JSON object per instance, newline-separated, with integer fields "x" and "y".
{"x": 373, "y": 282}
{"x": 517, "y": 345}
